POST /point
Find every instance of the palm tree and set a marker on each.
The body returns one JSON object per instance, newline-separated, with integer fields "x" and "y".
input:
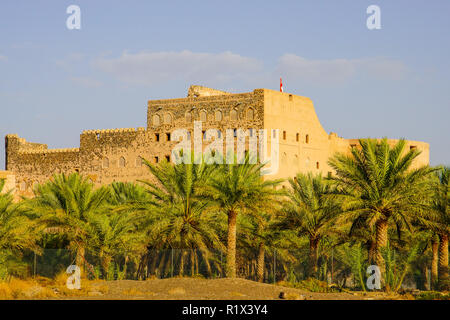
{"x": 438, "y": 220}
{"x": 126, "y": 193}
{"x": 68, "y": 203}
{"x": 377, "y": 184}
{"x": 17, "y": 231}
{"x": 112, "y": 234}
{"x": 310, "y": 212}
{"x": 258, "y": 230}
{"x": 182, "y": 219}
{"x": 239, "y": 188}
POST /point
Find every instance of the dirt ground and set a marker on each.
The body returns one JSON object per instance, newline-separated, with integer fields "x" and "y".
{"x": 203, "y": 289}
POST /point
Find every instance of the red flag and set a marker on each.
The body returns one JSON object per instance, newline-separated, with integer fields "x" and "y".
{"x": 281, "y": 85}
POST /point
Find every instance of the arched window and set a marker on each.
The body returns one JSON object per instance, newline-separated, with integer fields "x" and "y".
{"x": 122, "y": 162}
{"x": 156, "y": 120}
{"x": 218, "y": 115}
{"x": 105, "y": 163}
{"x": 167, "y": 118}
{"x": 188, "y": 116}
{"x": 307, "y": 138}
{"x": 203, "y": 116}
{"x": 233, "y": 114}
{"x": 250, "y": 114}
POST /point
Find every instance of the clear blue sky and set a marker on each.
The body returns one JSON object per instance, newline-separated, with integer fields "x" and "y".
{"x": 393, "y": 82}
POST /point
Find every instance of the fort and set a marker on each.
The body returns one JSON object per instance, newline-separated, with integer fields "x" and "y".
{"x": 116, "y": 154}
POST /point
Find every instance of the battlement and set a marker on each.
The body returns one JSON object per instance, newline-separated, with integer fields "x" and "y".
{"x": 117, "y": 130}
{"x": 64, "y": 150}
{"x": 211, "y": 98}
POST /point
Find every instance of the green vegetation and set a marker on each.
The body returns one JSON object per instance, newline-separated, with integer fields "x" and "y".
{"x": 209, "y": 220}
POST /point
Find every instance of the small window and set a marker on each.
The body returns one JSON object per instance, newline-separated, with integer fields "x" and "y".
{"x": 122, "y": 162}
{"x": 250, "y": 114}
{"x": 307, "y": 138}
{"x": 77, "y": 170}
{"x": 156, "y": 136}
{"x": 156, "y": 159}
{"x": 156, "y": 120}
{"x": 235, "y": 132}
{"x": 105, "y": 163}
{"x": 203, "y": 116}
{"x": 188, "y": 116}
{"x": 167, "y": 118}
{"x": 168, "y": 158}
{"x": 284, "y": 135}
{"x": 233, "y": 114}
{"x": 412, "y": 147}
{"x": 290, "y": 97}
{"x": 168, "y": 136}
{"x": 353, "y": 146}
{"x": 204, "y": 134}
{"x": 218, "y": 115}
{"x": 317, "y": 165}
{"x": 297, "y": 137}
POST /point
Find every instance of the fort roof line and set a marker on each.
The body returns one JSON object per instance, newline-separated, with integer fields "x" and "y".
{"x": 117, "y": 130}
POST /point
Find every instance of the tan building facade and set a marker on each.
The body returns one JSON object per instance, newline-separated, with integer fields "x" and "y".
{"x": 116, "y": 155}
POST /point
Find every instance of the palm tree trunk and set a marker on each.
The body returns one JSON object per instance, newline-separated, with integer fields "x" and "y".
{"x": 426, "y": 278}
{"x": 181, "y": 273}
{"x": 106, "y": 261}
{"x": 192, "y": 263}
{"x": 80, "y": 259}
{"x": 260, "y": 263}
{"x": 196, "y": 262}
{"x": 443, "y": 262}
{"x": 125, "y": 267}
{"x": 313, "y": 247}
{"x": 372, "y": 251}
{"x": 231, "y": 245}
{"x": 434, "y": 263}
{"x": 382, "y": 240}
{"x": 205, "y": 254}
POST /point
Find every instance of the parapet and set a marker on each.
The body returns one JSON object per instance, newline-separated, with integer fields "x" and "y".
{"x": 117, "y": 130}
{"x": 200, "y": 91}
{"x": 65, "y": 150}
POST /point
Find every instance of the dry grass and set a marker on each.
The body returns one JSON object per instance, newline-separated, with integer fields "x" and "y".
{"x": 45, "y": 288}
{"x": 22, "y": 289}
{"x": 137, "y": 292}
{"x": 177, "y": 291}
